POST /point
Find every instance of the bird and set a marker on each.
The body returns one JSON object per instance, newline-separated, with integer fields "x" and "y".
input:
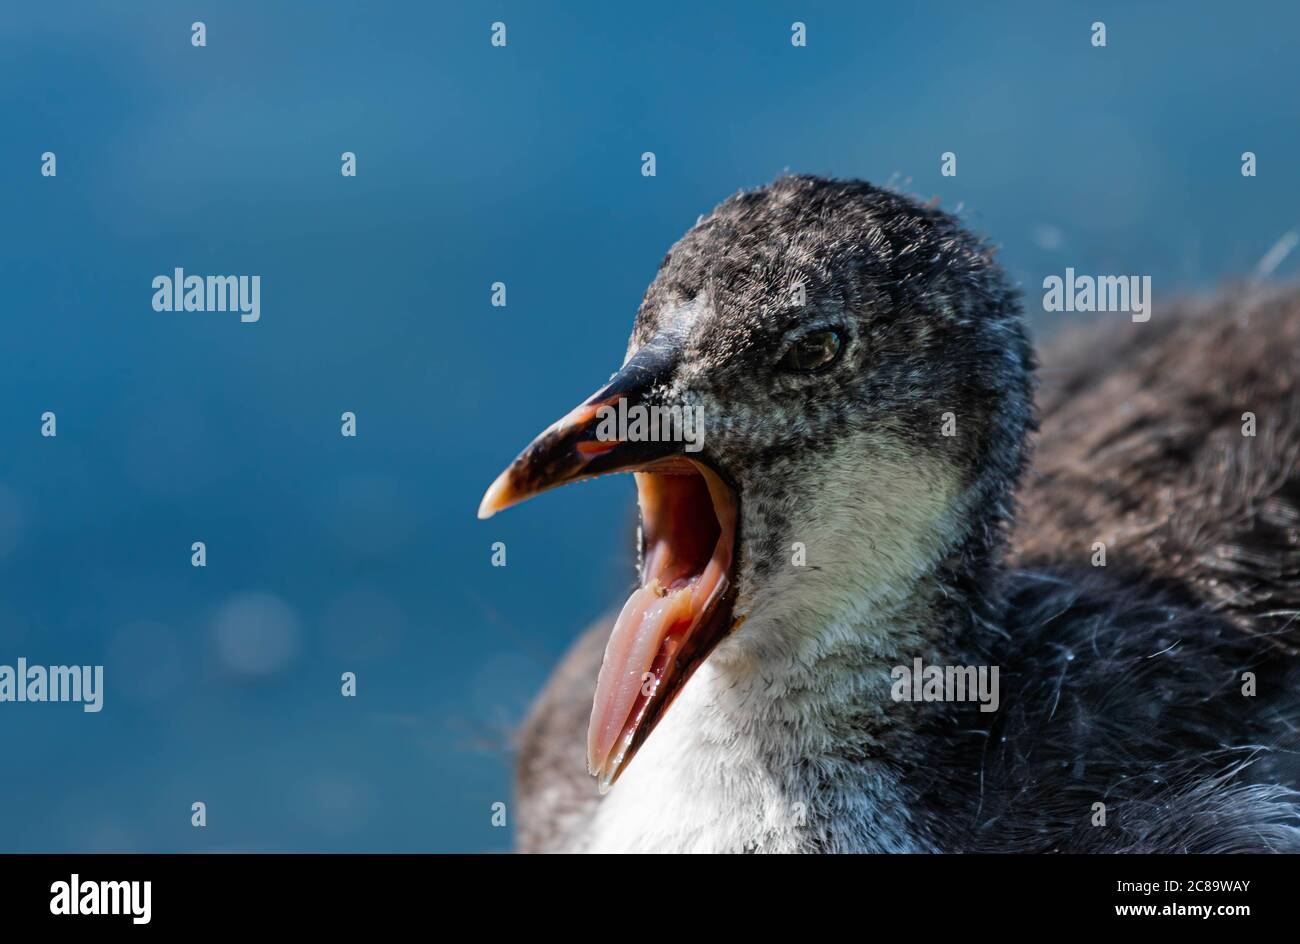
{"x": 889, "y": 480}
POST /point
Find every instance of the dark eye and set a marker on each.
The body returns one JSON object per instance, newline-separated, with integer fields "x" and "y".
{"x": 812, "y": 352}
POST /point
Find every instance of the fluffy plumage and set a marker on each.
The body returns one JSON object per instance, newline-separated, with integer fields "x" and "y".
{"x": 1120, "y": 685}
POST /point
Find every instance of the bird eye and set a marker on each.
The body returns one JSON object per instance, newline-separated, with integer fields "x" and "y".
{"x": 812, "y": 352}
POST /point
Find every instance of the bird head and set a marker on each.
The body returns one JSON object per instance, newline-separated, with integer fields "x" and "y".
{"x": 826, "y": 392}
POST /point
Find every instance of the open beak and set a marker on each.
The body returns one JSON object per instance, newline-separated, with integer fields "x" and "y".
{"x": 683, "y": 607}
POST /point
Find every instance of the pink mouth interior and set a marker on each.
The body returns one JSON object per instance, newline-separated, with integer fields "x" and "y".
{"x": 688, "y": 531}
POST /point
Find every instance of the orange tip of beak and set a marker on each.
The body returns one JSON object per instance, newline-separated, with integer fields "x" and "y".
{"x": 499, "y": 495}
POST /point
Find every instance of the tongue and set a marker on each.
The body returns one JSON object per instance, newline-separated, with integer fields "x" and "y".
{"x": 648, "y": 621}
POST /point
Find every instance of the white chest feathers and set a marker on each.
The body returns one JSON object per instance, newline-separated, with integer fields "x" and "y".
{"x": 730, "y": 770}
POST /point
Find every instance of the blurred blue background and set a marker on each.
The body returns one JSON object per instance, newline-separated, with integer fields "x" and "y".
{"x": 475, "y": 164}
